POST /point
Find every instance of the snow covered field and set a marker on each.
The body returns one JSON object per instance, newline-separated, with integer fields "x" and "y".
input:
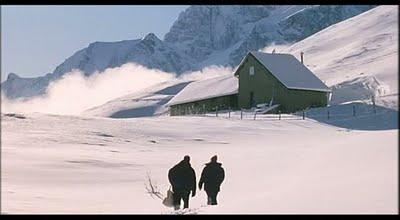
{"x": 68, "y": 164}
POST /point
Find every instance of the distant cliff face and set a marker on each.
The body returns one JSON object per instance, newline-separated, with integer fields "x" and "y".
{"x": 201, "y": 36}
{"x": 149, "y": 51}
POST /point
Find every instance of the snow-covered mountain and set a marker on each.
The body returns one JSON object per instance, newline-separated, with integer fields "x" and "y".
{"x": 149, "y": 51}
{"x": 201, "y": 36}
{"x": 16, "y": 87}
{"x": 357, "y": 58}
{"x": 223, "y": 35}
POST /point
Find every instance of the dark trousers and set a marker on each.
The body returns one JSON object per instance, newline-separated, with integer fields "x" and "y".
{"x": 181, "y": 194}
{"x": 212, "y": 197}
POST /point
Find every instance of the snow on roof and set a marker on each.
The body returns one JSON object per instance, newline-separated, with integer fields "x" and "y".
{"x": 291, "y": 72}
{"x": 205, "y": 89}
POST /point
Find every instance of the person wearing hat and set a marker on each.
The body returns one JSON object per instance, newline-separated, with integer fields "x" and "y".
{"x": 183, "y": 180}
{"x": 212, "y": 177}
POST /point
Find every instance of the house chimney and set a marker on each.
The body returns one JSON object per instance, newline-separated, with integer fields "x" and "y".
{"x": 301, "y": 55}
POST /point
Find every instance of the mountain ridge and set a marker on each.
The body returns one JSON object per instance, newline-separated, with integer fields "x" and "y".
{"x": 200, "y": 37}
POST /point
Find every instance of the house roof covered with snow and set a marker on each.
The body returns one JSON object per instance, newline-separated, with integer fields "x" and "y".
{"x": 290, "y": 71}
{"x": 205, "y": 89}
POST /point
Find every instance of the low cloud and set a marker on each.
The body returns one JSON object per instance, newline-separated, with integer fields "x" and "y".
{"x": 206, "y": 73}
{"x": 75, "y": 93}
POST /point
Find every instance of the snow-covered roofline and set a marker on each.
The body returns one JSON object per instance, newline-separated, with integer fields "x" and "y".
{"x": 289, "y": 71}
{"x": 207, "y": 89}
{"x": 203, "y": 98}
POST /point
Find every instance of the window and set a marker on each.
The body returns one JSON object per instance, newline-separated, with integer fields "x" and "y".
{"x": 251, "y": 71}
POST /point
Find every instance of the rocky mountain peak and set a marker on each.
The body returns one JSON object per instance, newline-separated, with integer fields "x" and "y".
{"x": 12, "y": 76}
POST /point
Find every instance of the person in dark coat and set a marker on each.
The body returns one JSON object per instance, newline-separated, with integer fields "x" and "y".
{"x": 183, "y": 180}
{"x": 212, "y": 177}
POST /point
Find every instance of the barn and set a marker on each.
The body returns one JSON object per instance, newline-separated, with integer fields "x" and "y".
{"x": 260, "y": 78}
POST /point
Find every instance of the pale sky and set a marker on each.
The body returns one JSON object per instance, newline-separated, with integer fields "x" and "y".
{"x": 35, "y": 39}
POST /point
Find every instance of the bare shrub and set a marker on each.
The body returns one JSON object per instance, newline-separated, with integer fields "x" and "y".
{"x": 152, "y": 188}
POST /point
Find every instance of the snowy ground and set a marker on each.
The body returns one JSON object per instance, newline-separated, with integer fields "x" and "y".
{"x": 65, "y": 164}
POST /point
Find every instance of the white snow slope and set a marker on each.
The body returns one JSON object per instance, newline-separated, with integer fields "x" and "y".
{"x": 358, "y": 57}
{"x": 148, "y": 102}
{"x": 65, "y": 164}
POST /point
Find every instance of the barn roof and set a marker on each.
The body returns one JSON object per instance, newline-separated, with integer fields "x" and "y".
{"x": 205, "y": 89}
{"x": 291, "y": 72}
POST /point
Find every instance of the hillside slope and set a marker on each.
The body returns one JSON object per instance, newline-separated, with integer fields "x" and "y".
{"x": 357, "y": 57}
{"x": 150, "y": 102}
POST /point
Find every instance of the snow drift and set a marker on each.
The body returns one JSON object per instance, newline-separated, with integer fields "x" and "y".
{"x": 359, "y": 88}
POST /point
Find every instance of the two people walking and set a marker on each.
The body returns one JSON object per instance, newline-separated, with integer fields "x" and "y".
{"x": 183, "y": 180}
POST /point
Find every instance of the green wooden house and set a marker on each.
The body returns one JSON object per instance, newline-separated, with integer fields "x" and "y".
{"x": 281, "y": 78}
{"x": 260, "y": 78}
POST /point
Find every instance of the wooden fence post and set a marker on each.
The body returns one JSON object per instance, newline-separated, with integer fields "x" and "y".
{"x": 255, "y": 114}
{"x": 328, "y": 114}
{"x": 354, "y": 110}
{"x": 216, "y": 111}
{"x": 304, "y": 115}
{"x": 279, "y": 114}
{"x": 241, "y": 114}
{"x": 373, "y": 103}
{"x": 374, "y": 107}
{"x": 229, "y": 112}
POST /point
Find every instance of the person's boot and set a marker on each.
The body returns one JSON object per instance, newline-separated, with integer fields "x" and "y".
{"x": 208, "y": 200}
{"x": 214, "y": 201}
{"x": 186, "y": 205}
{"x": 176, "y": 207}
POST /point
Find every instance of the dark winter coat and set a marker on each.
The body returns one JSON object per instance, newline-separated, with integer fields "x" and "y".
{"x": 182, "y": 177}
{"x": 212, "y": 176}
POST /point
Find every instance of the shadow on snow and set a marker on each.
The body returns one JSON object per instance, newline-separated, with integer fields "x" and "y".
{"x": 356, "y": 115}
{"x": 151, "y": 109}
